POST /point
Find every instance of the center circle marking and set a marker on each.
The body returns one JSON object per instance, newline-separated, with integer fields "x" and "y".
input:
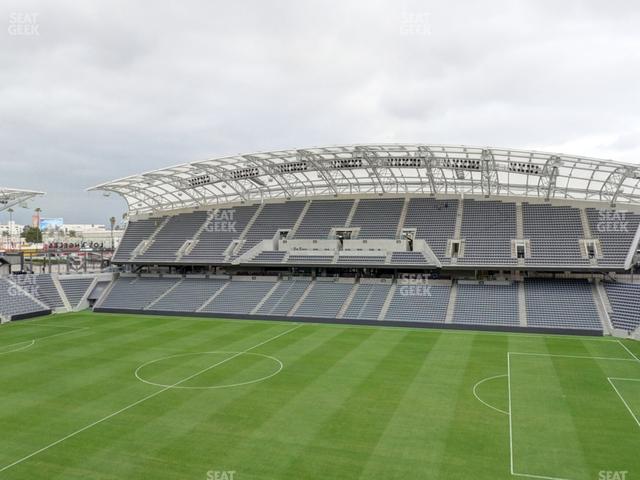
{"x": 279, "y": 366}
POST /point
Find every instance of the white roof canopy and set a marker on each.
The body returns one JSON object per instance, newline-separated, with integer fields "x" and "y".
{"x": 10, "y": 197}
{"x": 382, "y": 169}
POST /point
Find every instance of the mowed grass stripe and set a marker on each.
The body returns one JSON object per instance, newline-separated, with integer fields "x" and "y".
{"x": 590, "y": 401}
{"x": 559, "y": 405}
{"x": 316, "y": 396}
{"x": 51, "y": 374}
{"x": 123, "y": 409}
{"x": 102, "y": 386}
{"x": 214, "y": 421}
{"x": 343, "y": 442}
{"x": 407, "y": 443}
{"x": 470, "y": 442}
{"x": 545, "y": 437}
{"x": 174, "y": 415}
{"x": 352, "y": 402}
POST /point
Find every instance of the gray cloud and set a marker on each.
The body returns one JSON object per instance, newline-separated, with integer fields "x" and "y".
{"x": 109, "y": 89}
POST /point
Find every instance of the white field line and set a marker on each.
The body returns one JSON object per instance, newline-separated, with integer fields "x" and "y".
{"x": 510, "y": 410}
{"x": 142, "y": 400}
{"x": 462, "y": 332}
{"x": 213, "y": 387}
{"x": 51, "y": 325}
{"x": 28, "y": 342}
{"x": 630, "y": 352}
{"x": 623, "y": 400}
{"x": 34, "y": 324}
{"x": 528, "y": 475}
{"x": 63, "y": 333}
{"x": 412, "y": 329}
{"x": 17, "y": 343}
{"x": 573, "y": 356}
{"x": 31, "y": 343}
{"x": 475, "y": 393}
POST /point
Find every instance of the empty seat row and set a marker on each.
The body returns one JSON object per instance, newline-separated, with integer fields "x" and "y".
{"x": 136, "y": 232}
{"x": 16, "y": 299}
{"x": 434, "y": 221}
{"x": 378, "y": 218}
{"x": 486, "y": 304}
{"x": 487, "y": 229}
{"x": 322, "y": 216}
{"x": 216, "y": 238}
{"x": 324, "y": 300}
{"x": 171, "y": 237}
{"x": 75, "y": 288}
{"x": 561, "y": 303}
{"x": 625, "y": 302}
{"x": 616, "y": 231}
{"x": 554, "y": 233}
{"x": 368, "y": 301}
{"x": 419, "y": 303}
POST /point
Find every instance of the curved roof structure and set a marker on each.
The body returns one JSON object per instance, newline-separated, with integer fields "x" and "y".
{"x": 379, "y": 169}
{"x": 10, "y": 197}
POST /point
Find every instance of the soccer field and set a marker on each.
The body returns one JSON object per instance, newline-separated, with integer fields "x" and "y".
{"x": 129, "y": 397}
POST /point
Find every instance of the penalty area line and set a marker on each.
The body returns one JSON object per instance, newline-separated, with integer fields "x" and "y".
{"x": 513, "y": 472}
{"x": 630, "y": 352}
{"x": 142, "y": 400}
{"x": 622, "y": 398}
{"x": 574, "y": 356}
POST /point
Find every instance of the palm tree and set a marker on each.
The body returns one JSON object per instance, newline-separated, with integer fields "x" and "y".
{"x": 38, "y": 210}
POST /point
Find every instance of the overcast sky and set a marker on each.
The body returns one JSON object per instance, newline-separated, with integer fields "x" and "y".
{"x": 93, "y": 91}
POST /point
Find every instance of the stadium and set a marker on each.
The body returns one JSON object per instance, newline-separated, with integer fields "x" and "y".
{"x": 358, "y": 311}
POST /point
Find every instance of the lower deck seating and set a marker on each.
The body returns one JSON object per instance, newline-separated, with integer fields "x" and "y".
{"x": 135, "y": 293}
{"x": 324, "y": 300}
{"x": 625, "y": 301}
{"x": 189, "y": 295}
{"x": 550, "y": 303}
{"x": 284, "y": 297}
{"x": 561, "y": 304}
{"x": 75, "y": 288}
{"x": 46, "y": 291}
{"x": 419, "y": 303}
{"x": 482, "y": 304}
{"x": 15, "y": 300}
{"x": 368, "y": 301}
{"x": 239, "y": 297}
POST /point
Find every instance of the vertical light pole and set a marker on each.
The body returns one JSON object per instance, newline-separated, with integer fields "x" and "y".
{"x": 10, "y": 228}
{"x": 112, "y": 222}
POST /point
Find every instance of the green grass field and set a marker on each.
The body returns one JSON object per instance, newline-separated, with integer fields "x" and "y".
{"x": 96, "y": 396}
